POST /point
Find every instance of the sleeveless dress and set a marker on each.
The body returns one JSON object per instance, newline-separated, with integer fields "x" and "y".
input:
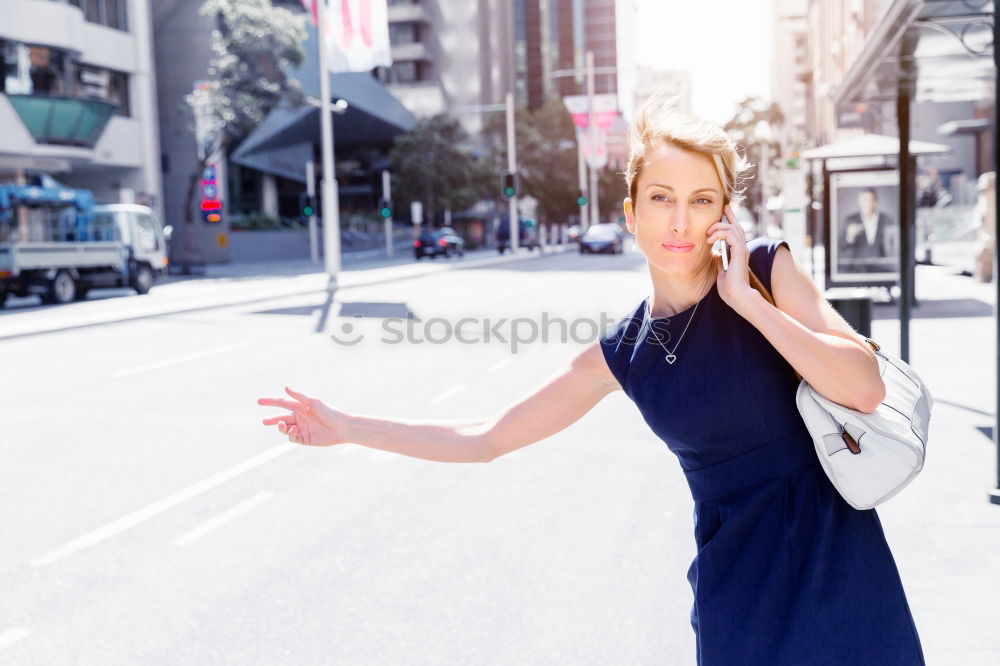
{"x": 786, "y": 571}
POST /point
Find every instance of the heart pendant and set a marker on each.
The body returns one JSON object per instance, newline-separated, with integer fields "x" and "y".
{"x": 671, "y": 358}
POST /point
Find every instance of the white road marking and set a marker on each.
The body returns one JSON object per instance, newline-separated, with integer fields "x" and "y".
{"x": 12, "y": 636}
{"x": 218, "y": 521}
{"x": 441, "y": 397}
{"x": 502, "y": 363}
{"x": 177, "y": 360}
{"x": 158, "y": 507}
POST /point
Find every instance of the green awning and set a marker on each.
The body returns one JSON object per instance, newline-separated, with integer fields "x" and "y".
{"x": 63, "y": 120}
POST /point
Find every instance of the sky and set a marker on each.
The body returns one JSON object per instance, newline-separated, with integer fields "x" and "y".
{"x": 725, "y": 44}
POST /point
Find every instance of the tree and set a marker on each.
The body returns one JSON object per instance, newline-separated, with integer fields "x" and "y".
{"x": 611, "y": 192}
{"x": 752, "y": 126}
{"x": 546, "y": 156}
{"x": 253, "y": 44}
{"x": 434, "y": 163}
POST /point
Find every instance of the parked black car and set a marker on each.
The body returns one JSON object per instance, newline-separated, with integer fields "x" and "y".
{"x": 434, "y": 242}
{"x": 602, "y": 238}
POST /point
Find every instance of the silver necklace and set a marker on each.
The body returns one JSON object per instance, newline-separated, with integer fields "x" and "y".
{"x": 671, "y": 356}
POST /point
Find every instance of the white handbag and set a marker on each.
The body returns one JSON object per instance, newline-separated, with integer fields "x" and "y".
{"x": 871, "y": 457}
{"x": 868, "y": 457}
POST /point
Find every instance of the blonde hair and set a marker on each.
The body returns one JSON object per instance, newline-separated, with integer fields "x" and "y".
{"x": 658, "y": 121}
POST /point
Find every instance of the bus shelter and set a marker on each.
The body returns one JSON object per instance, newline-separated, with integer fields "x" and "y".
{"x": 926, "y": 51}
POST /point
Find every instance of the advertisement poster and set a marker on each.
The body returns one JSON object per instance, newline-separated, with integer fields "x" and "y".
{"x": 863, "y": 235}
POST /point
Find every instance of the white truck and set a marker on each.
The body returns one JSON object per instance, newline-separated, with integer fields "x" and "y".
{"x": 118, "y": 245}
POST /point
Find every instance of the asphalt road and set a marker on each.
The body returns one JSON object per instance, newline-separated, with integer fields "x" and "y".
{"x": 152, "y": 519}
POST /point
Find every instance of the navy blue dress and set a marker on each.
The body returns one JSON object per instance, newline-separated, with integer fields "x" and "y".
{"x": 786, "y": 571}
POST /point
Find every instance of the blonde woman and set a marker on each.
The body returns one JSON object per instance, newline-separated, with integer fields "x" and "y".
{"x": 786, "y": 572}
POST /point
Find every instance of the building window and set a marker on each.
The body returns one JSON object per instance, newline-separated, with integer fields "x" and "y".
{"x": 105, "y": 84}
{"x": 404, "y": 33}
{"x": 16, "y": 79}
{"x": 32, "y": 70}
{"x": 402, "y": 72}
{"x": 105, "y": 12}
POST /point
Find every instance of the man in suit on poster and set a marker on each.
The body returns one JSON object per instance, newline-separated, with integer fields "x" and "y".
{"x": 869, "y": 239}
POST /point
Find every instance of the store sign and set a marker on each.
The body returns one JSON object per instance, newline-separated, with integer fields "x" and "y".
{"x": 93, "y": 82}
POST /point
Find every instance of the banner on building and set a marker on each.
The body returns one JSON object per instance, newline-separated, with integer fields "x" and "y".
{"x": 597, "y": 156}
{"x": 356, "y": 34}
{"x": 605, "y": 110}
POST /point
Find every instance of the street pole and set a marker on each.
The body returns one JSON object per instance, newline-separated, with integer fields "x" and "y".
{"x": 995, "y": 492}
{"x": 331, "y": 204}
{"x": 388, "y": 221}
{"x": 582, "y": 178}
{"x": 512, "y": 167}
{"x": 595, "y": 211}
{"x": 313, "y": 231}
{"x": 905, "y": 205}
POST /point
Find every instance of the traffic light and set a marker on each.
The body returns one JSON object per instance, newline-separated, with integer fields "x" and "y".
{"x": 307, "y": 204}
{"x": 211, "y": 206}
{"x": 385, "y": 208}
{"x": 529, "y": 224}
{"x": 581, "y": 199}
{"x": 509, "y": 184}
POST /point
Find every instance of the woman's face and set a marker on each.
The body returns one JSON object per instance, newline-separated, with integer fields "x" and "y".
{"x": 678, "y": 197}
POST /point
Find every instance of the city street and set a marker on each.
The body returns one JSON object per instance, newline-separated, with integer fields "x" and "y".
{"x": 154, "y": 520}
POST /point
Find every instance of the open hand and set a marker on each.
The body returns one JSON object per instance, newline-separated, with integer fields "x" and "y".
{"x": 311, "y": 422}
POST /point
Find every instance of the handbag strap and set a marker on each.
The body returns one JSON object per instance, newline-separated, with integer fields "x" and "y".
{"x": 759, "y": 286}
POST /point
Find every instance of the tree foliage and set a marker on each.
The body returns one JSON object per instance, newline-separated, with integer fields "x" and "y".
{"x": 253, "y": 44}
{"x": 434, "y": 163}
{"x": 546, "y": 156}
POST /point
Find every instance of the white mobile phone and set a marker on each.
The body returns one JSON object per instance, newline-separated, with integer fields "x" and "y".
{"x": 721, "y": 248}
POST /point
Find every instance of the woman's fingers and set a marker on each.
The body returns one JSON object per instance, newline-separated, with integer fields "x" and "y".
{"x": 296, "y": 424}
{"x": 279, "y": 402}
{"x": 284, "y": 418}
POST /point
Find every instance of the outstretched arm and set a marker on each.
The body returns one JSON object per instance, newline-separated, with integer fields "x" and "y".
{"x": 558, "y": 403}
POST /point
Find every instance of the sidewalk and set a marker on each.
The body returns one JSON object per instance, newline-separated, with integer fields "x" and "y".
{"x": 358, "y": 261}
{"x": 223, "y": 285}
{"x": 944, "y": 533}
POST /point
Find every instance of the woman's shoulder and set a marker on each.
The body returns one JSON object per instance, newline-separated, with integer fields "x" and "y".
{"x": 762, "y": 250}
{"x": 617, "y": 330}
{"x": 618, "y": 340}
{"x": 765, "y": 245}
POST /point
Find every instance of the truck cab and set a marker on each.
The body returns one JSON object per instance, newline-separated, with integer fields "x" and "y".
{"x": 145, "y": 241}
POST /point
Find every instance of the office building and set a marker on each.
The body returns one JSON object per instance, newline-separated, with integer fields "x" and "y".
{"x": 78, "y": 97}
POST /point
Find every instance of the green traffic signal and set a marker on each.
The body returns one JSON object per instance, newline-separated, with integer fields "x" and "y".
{"x": 508, "y": 184}
{"x": 307, "y": 204}
{"x": 385, "y": 208}
{"x": 581, "y": 200}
